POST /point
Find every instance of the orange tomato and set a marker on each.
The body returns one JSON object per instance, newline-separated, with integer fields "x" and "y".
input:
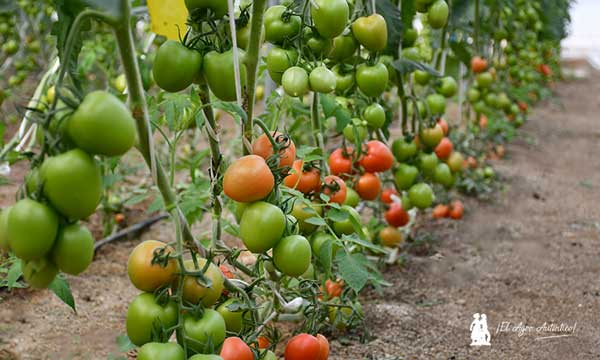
{"x": 248, "y": 179}
{"x": 334, "y": 288}
{"x": 390, "y": 236}
{"x": 440, "y": 211}
{"x": 444, "y": 148}
{"x": 386, "y": 195}
{"x": 305, "y": 181}
{"x": 235, "y": 348}
{"x": 483, "y": 121}
{"x": 478, "y": 64}
{"x": 457, "y": 210}
{"x": 263, "y": 148}
{"x": 368, "y": 186}
{"x": 145, "y": 275}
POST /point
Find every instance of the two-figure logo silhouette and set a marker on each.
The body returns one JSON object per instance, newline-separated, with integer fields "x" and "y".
{"x": 479, "y": 331}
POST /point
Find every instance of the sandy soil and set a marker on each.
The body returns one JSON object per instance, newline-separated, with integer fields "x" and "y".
{"x": 528, "y": 256}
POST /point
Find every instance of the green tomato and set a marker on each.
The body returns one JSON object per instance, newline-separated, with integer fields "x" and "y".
{"x": 421, "y": 77}
{"x": 355, "y": 132}
{"x": 503, "y": 102}
{"x": 405, "y": 176}
{"x": 411, "y": 53}
{"x": 484, "y": 80}
{"x": 404, "y": 150}
{"x": 374, "y": 114}
{"x": 220, "y": 75}
{"x": 204, "y": 331}
{"x": 491, "y": 100}
{"x": 421, "y": 195}
{"x": 38, "y": 273}
{"x": 175, "y": 66}
{"x": 318, "y": 45}
{"x": 102, "y": 125}
{"x": 73, "y": 250}
{"x": 432, "y": 136}
{"x": 371, "y": 32}
{"x": 292, "y": 255}
{"x": 409, "y": 38}
{"x": 372, "y": 80}
{"x": 276, "y": 28}
{"x": 232, "y": 314}
{"x": 343, "y": 80}
{"x": 443, "y": 175}
{"x": 4, "y": 229}
{"x": 207, "y": 357}
{"x": 32, "y": 229}
{"x": 329, "y": 16}
{"x": 166, "y": 351}
{"x": 352, "y": 197}
{"x": 437, "y": 15}
{"x": 436, "y": 103}
{"x": 262, "y": 226}
{"x": 10, "y": 47}
{"x": 473, "y": 95}
{"x": 73, "y": 183}
{"x": 295, "y": 81}
{"x": 448, "y": 86}
{"x": 422, "y": 5}
{"x": 240, "y": 207}
{"x": 302, "y": 212}
{"x": 346, "y": 226}
{"x": 278, "y": 61}
{"x": 480, "y": 107}
{"x": 427, "y": 163}
{"x": 322, "y": 80}
{"x": 145, "y": 315}
{"x": 218, "y": 8}
{"x": 406, "y": 204}
{"x": 343, "y": 47}
{"x": 319, "y": 239}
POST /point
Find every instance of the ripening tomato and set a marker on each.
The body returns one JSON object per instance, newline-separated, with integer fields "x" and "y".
{"x": 292, "y": 255}
{"x": 263, "y": 148}
{"x": 174, "y": 55}
{"x": 437, "y": 15}
{"x": 390, "y": 236}
{"x": 262, "y": 226}
{"x": 371, "y": 32}
{"x": 386, "y": 195}
{"x": 320, "y": 238}
{"x": 204, "y": 331}
{"x": 295, "y": 81}
{"x": 194, "y": 292}
{"x": 368, "y": 186}
{"x": 457, "y": 210}
{"x": 478, "y": 64}
{"x": 396, "y": 215}
{"x": 404, "y": 150}
{"x": 322, "y": 80}
{"x": 102, "y": 125}
{"x": 278, "y": 28}
{"x": 73, "y": 183}
{"x": 31, "y": 229}
{"x": 455, "y": 161}
{"x": 356, "y": 131}
{"x": 278, "y": 61}
{"x": 421, "y": 195}
{"x": 372, "y": 80}
{"x": 156, "y": 350}
{"x": 73, "y": 249}
{"x": 235, "y": 348}
{"x": 378, "y": 157}
{"x": 303, "y": 177}
{"x": 220, "y": 75}
{"x": 444, "y": 125}
{"x": 248, "y": 179}
{"x": 440, "y": 211}
{"x": 329, "y": 16}
{"x": 38, "y": 273}
{"x": 444, "y": 148}
{"x": 431, "y": 137}
{"x": 145, "y": 315}
{"x": 405, "y": 176}
{"x": 340, "y": 163}
{"x": 335, "y": 188}
{"x": 302, "y": 347}
{"x": 146, "y": 275}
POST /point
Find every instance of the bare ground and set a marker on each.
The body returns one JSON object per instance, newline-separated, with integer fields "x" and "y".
{"x": 529, "y": 256}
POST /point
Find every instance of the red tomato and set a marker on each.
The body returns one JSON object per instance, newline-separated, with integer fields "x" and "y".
{"x": 336, "y": 193}
{"x": 263, "y": 342}
{"x": 334, "y": 288}
{"x": 305, "y": 181}
{"x": 522, "y": 106}
{"x": 303, "y": 347}
{"x": 235, "y": 348}
{"x": 386, "y": 195}
{"x": 396, "y": 215}
{"x": 340, "y": 164}
{"x": 440, "y": 211}
{"x": 377, "y": 158}
{"x": 368, "y": 186}
{"x": 483, "y": 121}
{"x": 263, "y": 148}
{"x": 323, "y": 347}
{"x": 457, "y": 210}
{"x": 478, "y": 64}
{"x": 444, "y": 125}
{"x": 444, "y": 148}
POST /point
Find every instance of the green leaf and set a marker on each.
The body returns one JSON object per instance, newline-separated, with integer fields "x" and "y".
{"x": 461, "y": 51}
{"x": 60, "y": 287}
{"x": 332, "y": 108}
{"x": 406, "y": 66}
{"x": 337, "y": 215}
{"x": 352, "y": 270}
{"x": 325, "y": 256}
{"x": 124, "y": 344}
{"x": 233, "y": 109}
{"x": 407, "y": 13}
{"x": 316, "y": 221}
{"x": 363, "y": 243}
{"x": 14, "y": 273}
{"x": 395, "y": 26}
{"x": 136, "y": 199}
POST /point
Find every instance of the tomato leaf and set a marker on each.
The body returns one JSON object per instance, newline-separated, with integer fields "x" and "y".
{"x": 332, "y": 108}
{"x": 316, "y": 221}
{"x": 124, "y": 344}
{"x": 231, "y": 108}
{"x": 407, "y": 14}
{"x": 460, "y": 50}
{"x": 395, "y": 26}
{"x": 60, "y": 287}
{"x": 337, "y": 215}
{"x": 325, "y": 256}
{"x": 406, "y": 66}
{"x": 363, "y": 243}
{"x": 352, "y": 269}
{"x": 13, "y": 275}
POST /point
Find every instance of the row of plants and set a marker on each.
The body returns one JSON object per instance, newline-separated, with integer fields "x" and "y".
{"x": 382, "y": 113}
